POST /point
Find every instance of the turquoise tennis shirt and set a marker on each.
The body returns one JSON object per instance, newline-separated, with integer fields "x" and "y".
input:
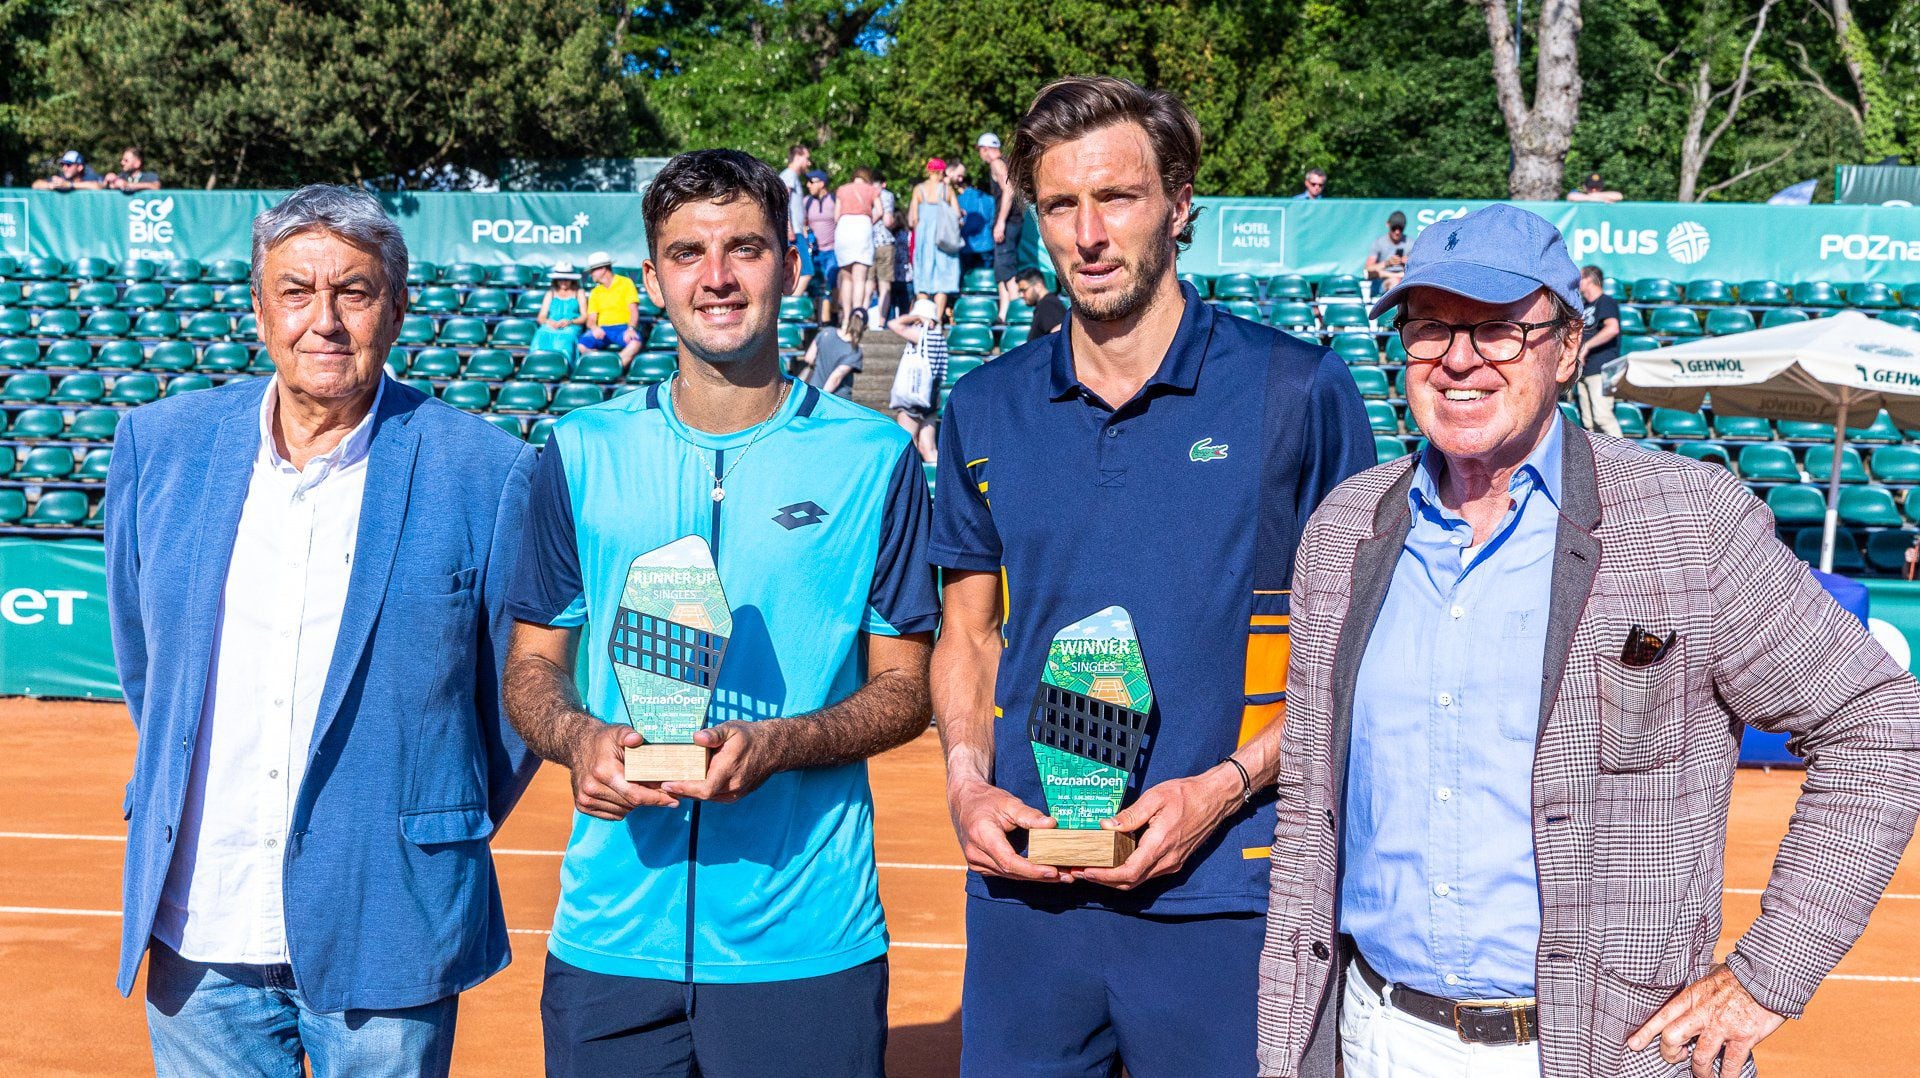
{"x": 821, "y": 538}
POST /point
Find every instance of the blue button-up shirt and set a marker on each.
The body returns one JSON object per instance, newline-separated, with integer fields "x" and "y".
{"x": 1439, "y": 889}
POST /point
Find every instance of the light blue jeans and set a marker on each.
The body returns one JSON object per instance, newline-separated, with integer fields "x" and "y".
{"x": 242, "y": 1020}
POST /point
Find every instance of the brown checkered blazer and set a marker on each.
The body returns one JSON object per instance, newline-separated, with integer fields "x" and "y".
{"x": 1633, "y": 768}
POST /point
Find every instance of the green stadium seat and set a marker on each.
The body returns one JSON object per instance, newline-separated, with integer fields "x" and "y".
{"x": 59, "y": 509}
{"x": 1015, "y": 335}
{"x": 1201, "y": 283}
{"x": 596, "y": 368}
{"x": 980, "y": 310}
{"x": 539, "y": 431}
{"x": 796, "y": 309}
{"x": 1880, "y": 432}
{"x": 225, "y": 357}
{"x": 1896, "y": 464}
{"x": 416, "y": 329}
{"x": 1799, "y": 430}
{"x": 662, "y": 336}
{"x": 1371, "y": 382}
{"x": 1566, "y": 409}
{"x": 1887, "y": 550}
{"x": 31, "y": 424}
{"x": 1846, "y": 549}
{"x": 1236, "y": 286}
{"x": 490, "y": 364}
{"x": 1871, "y": 295}
{"x": 1819, "y": 464}
{"x": 95, "y": 424}
{"x": 397, "y": 362}
{"x": 1675, "y": 322}
{"x": 187, "y": 383}
{"x": 12, "y": 293}
{"x": 791, "y": 337}
{"x": 262, "y": 363}
{"x": 144, "y": 296}
{"x": 43, "y": 269}
{"x": 419, "y": 273}
{"x": 527, "y": 305}
{"x": 466, "y": 273}
{"x": 1396, "y": 352}
{"x": 1633, "y": 421}
{"x": 487, "y": 301}
{"x": 48, "y": 463}
{"x": 653, "y": 367}
{"x": 246, "y": 327}
{"x": 234, "y": 297}
{"x": 121, "y": 355}
{"x": 1655, "y": 290}
{"x": 171, "y": 356}
{"x": 1868, "y": 507}
{"x": 1741, "y": 428}
{"x": 58, "y": 324}
{"x": 576, "y": 395}
{"x": 513, "y": 275}
{"x": 1724, "y": 320}
{"x": 468, "y": 332}
{"x": 1356, "y": 348}
{"x": 1289, "y": 286}
{"x": 207, "y": 326}
{"x": 1343, "y": 316}
{"x": 513, "y": 332}
{"x": 1340, "y": 284}
{"x": 1293, "y": 314}
{"x": 437, "y": 299}
{"x": 183, "y": 270}
{"x": 1386, "y": 448}
{"x": 1705, "y": 452}
{"x": 1019, "y": 313}
{"x": 31, "y": 388}
{"x": 420, "y": 384}
{"x": 506, "y": 424}
{"x": 69, "y": 353}
{"x": 1797, "y": 504}
{"x": 521, "y": 397}
{"x": 16, "y": 322}
{"x": 980, "y": 282}
{"x": 1903, "y": 319}
{"x": 1782, "y": 316}
{"x": 958, "y": 367}
{"x": 468, "y": 396}
{"x": 1382, "y": 417}
{"x": 1631, "y": 321}
{"x": 1673, "y": 425}
{"x": 544, "y": 366}
{"x": 96, "y": 294}
{"x": 9, "y": 266}
{"x": 138, "y": 269}
{"x": 647, "y": 307}
{"x": 97, "y": 518}
{"x": 107, "y": 325}
{"x": 227, "y": 271}
{"x": 435, "y": 363}
{"x": 1242, "y": 308}
{"x": 156, "y": 325}
{"x": 1709, "y": 291}
{"x": 13, "y": 501}
{"x": 1817, "y": 294}
{"x": 92, "y": 268}
{"x": 15, "y": 354}
{"x": 1763, "y": 293}
{"x": 1636, "y": 343}
{"x": 47, "y": 294}
{"x": 970, "y": 340}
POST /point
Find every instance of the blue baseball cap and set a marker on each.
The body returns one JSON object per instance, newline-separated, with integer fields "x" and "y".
{"x": 1497, "y": 254}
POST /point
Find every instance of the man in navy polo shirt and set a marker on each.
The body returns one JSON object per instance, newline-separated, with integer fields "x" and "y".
{"x": 1161, "y": 456}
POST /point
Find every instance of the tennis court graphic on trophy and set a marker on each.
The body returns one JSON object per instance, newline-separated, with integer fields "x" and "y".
{"x": 1088, "y": 727}
{"x": 667, "y": 642}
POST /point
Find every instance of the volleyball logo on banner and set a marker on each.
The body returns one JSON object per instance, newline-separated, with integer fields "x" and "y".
{"x": 1688, "y": 242}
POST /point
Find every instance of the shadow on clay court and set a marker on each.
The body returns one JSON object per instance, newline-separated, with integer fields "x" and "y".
{"x": 929, "y": 1050}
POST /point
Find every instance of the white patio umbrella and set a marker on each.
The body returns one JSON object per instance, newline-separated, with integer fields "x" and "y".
{"x": 1823, "y": 370}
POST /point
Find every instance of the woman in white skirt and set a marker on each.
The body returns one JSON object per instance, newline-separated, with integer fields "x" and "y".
{"x": 859, "y": 200}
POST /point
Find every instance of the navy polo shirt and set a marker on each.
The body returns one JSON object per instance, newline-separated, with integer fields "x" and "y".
{"x": 1183, "y": 505}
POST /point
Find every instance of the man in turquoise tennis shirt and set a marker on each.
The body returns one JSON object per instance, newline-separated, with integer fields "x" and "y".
{"x": 731, "y": 927}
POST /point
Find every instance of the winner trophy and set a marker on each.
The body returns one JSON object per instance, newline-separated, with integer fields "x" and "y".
{"x": 1088, "y": 728}
{"x": 666, "y": 646}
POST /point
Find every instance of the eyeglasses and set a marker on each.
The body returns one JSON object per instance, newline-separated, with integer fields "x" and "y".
{"x": 1427, "y": 340}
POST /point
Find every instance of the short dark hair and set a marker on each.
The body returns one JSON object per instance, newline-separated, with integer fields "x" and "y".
{"x": 1031, "y": 276}
{"x": 714, "y": 176}
{"x": 135, "y": 151}
{"x": 796, "y": 150}
{"x": 1595, "y": 274}
{"x": 1069, "y": 108}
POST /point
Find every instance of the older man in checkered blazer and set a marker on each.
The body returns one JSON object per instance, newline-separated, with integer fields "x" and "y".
{"x": 1521, "y": 662}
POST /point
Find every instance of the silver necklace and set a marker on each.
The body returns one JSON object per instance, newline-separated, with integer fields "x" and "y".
{"x": 720, "y": 478}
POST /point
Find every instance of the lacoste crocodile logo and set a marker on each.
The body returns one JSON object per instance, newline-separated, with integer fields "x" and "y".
{"x": 1204, "y": 450}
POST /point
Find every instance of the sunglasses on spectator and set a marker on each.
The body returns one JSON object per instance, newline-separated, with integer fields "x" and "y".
{"x": 1499, "y": 340}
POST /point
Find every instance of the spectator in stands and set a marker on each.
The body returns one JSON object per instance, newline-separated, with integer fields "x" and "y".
{"x": 923, "y": 328}
{"x": 1315, "y": 184}
{"x": 1009, "y": 219}
{"x": 934, "y": 215}
{"x": 799, "y": 160}
{"x": 823, "y": 218}
{"x": 834, "y": 357}
{"x": 134, "y": 174}
{"x": 1387, "y": 258}
{"x": 1049, "y": 312}
{"x": 857, "y": 204}
{"x": 613, "y": 310}
{"x": 1599, "y": 345}
{"x": 1593, "y": 189}
{"x": 70, "y": 174}
{"x": 562, "y": 315}
{"x": 886, "y": 249}
{"x": 901, "y": 297}
{"x": 309, "y": 621}
{"x": 976, "y": 219}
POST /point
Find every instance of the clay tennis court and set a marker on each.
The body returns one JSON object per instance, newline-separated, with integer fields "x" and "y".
{"x": 62, "y": 766}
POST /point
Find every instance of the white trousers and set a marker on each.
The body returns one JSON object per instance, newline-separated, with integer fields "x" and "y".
{"x": 1378, "y": 1040}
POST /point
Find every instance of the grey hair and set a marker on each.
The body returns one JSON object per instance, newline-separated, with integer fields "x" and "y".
{"x": 347, "y": 212}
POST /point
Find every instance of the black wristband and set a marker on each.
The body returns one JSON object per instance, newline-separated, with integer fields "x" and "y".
{"x": 1246, "y": 780}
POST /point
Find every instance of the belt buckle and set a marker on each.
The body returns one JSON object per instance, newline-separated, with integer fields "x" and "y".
{"x": 1516, "y": 1011}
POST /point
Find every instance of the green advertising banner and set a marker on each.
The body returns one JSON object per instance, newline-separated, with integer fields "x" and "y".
{"x": 54, "y": 636}
{"x": 1877, "y": 185}
{"x": 1893, "y": 616}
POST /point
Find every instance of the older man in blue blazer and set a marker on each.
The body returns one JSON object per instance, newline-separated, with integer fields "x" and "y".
{"x": 306, "y": 581}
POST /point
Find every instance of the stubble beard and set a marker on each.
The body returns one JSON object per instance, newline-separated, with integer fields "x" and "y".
{"x": 1136, "y": 295}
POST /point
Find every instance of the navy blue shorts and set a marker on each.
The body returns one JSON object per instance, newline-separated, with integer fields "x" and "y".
{"x": 1078, "y": 993}
{"x": 597, "y": 1024}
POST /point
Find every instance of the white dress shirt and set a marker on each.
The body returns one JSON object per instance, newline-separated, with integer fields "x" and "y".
{"x": 286, "y": 589}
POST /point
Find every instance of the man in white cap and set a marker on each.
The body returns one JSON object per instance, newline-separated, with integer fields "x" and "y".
{"x": 71, "y": 174}
{"x": 1009, "y": 216}
{"x": 613, "y": 310}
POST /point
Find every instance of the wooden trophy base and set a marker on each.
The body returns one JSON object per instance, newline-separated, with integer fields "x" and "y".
{"x": 1065, "y": 848}
{"x": 668, "y": 763}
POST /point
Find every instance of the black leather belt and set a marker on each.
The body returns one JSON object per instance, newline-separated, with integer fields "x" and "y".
{"x": 1476, "y": 1023}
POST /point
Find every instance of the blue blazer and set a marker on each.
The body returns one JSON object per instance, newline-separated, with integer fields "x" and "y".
{"x": 390, "y": 893}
